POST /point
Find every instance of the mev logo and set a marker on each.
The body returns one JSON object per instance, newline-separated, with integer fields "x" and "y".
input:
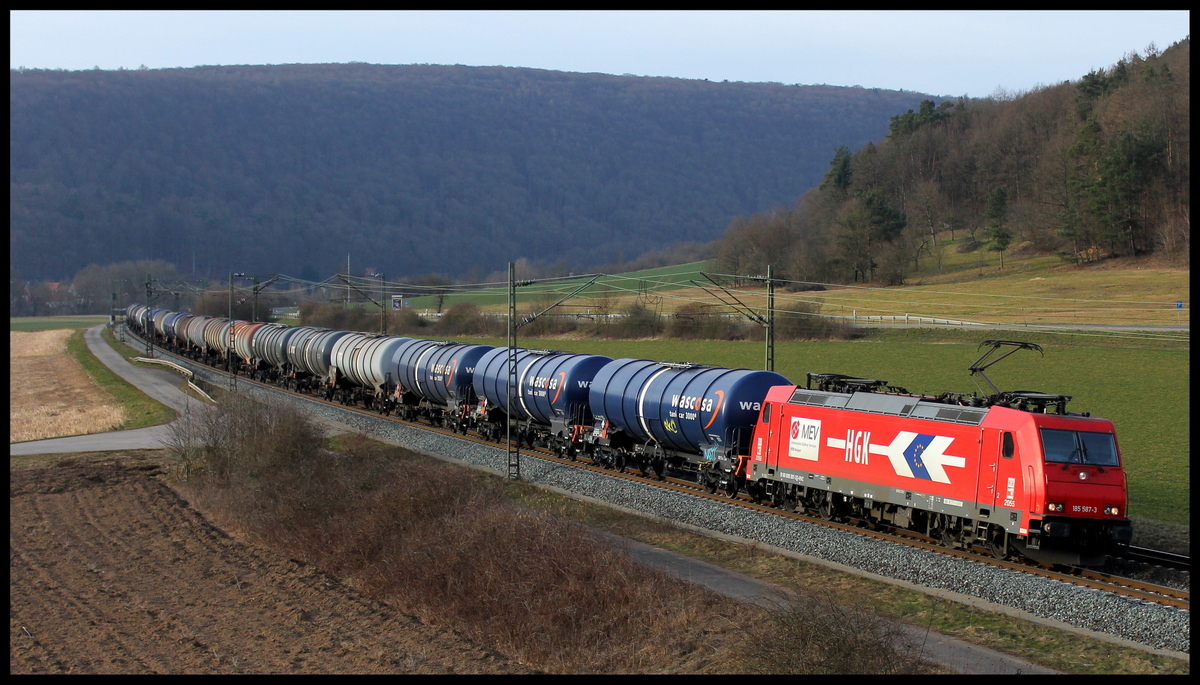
{"x": 805, "y": 438}
{"x": 912, "y": 455}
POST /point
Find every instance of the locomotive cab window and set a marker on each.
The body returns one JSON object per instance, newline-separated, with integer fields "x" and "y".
{"x": 1079, "y": 447}
{"x": 1007, "y": 448}
{"x": 766, "y": 417}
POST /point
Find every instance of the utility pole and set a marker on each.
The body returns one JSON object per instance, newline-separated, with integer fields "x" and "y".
{"x": 255, "y": 290}
{"x": 231, "y": 275}
{"x": 733, "y": 302}
{"x": 382, "y": 306}
{"x": 769, "y": 365}
{"x": 370, "y": 299}
{"x": 229, "y": 346}
{"x": 514, "y": 447}
{"x": 150, "y": 331}
{"x": 514, "y": 450}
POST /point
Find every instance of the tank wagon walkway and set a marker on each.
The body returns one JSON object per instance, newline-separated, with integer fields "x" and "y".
{"x": 164, "y": 386}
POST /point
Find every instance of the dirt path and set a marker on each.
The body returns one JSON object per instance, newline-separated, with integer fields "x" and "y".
{"x": 112, "y": 572}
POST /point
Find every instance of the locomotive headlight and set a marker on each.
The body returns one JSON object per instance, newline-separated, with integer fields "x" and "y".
{"x": 1112, "y": 511}
{"x": 1054, "y": 507}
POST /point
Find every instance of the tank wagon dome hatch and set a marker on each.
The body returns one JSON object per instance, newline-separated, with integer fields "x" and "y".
{"x": 687, "y": 407}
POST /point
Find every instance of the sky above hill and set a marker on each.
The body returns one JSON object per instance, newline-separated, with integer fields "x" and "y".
{"x": 950, "y": 53}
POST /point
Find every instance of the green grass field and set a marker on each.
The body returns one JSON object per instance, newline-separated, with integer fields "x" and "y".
{"x": 49, "y": 323}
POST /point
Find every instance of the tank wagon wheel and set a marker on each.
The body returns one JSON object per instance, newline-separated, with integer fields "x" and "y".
{"x": 710, "y": 482}
{"x": 620, "y": 462}
{"x": 731, "y": 488}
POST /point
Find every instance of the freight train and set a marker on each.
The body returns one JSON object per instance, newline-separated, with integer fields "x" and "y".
{"x": 1013, "y": 473}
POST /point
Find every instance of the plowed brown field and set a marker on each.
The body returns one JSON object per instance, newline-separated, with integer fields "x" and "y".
{"x": 111, "y": 571}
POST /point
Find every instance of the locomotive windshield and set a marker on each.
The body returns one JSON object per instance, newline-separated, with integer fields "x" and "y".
{"x": 1079, "y": 447}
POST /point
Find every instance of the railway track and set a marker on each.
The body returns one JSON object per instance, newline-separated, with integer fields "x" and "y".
{"x": 1136, "y": 589}
{"x": 1158, "y": 558}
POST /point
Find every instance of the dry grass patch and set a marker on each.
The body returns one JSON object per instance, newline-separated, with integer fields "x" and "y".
{"x": 49, "y": 395}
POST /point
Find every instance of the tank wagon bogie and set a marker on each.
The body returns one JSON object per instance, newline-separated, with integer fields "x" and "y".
{"x": 1013, "y": 473}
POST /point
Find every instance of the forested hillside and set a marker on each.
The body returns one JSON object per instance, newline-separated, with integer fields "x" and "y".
{"x": 409, "y": 169}
{"x": 1088, "y": 170}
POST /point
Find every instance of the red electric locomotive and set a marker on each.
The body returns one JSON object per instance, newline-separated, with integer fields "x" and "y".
{"x": 1013, "y": 472}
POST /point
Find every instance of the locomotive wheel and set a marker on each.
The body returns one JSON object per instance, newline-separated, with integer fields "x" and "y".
{"x": 997, "y": 544}
{"x": 826, "y": 507}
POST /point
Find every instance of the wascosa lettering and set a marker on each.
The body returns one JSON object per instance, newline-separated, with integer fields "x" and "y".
{"x": 544, "y": 382}
{"x": 693, "y": 403}
{"x": 445, "y": 371}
